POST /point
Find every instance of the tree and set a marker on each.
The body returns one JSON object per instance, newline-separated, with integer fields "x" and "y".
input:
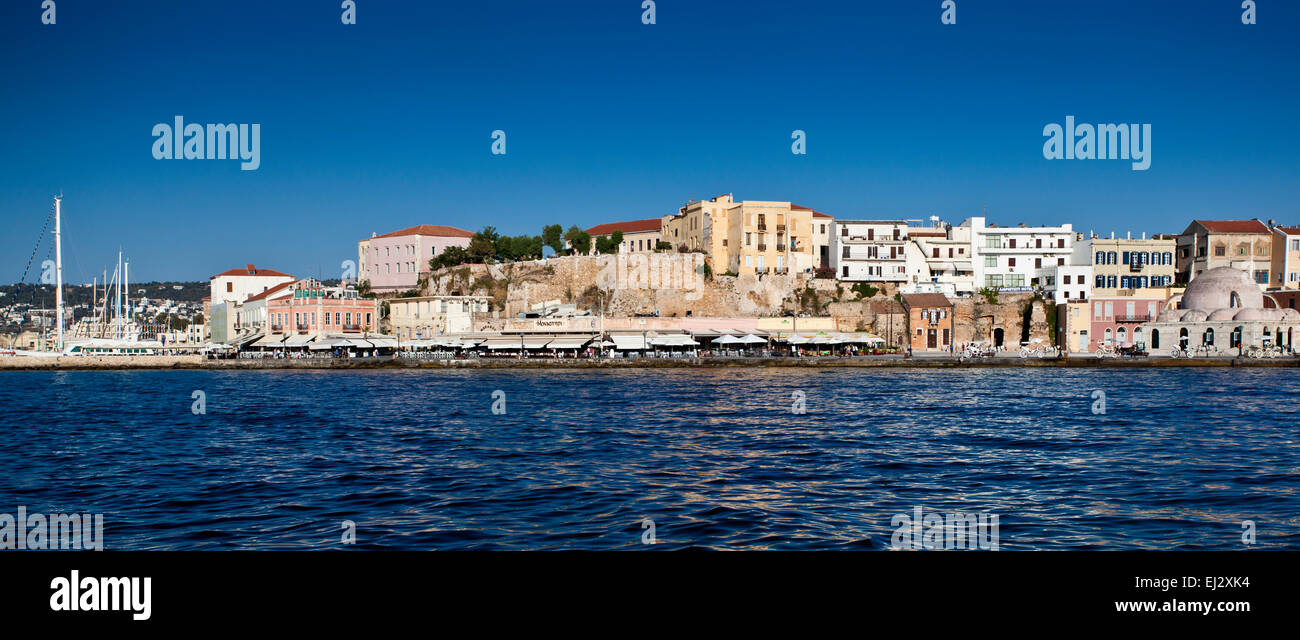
{"x": 609, "y": 243}
{"x": 483, "y": 246}
{"x": 663, "y": 245}
{"x": 450, "y": 257}
{"x": 579, "y": 240}
{"x": 553, "y": 237}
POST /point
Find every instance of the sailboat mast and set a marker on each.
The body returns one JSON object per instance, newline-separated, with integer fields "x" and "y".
{"x": 58, "y": 273}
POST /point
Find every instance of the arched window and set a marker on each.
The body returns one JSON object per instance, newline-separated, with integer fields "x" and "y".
{"x": 1155, "y": 338}
{"x": 1121, "y": 336}
{"x": 1208, "y": 338}
{"x": 1234, "y": 300}
{"x": 1108, "y": 338}
{"x": 1234, "y": 340}
{"x": 1182, "y": 337}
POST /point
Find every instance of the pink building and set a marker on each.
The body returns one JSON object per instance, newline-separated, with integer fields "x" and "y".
{"x": 312, "y": 308}
{"x": 394, "y": 261}
{"x": 1119, "y": 319}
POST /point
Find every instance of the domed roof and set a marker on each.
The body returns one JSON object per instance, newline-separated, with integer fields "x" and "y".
{"x": 1290, "y": 315}
{"x": 1217, "y": 288}
{"x": 1258, "y": 314}
{"x": 1195, "y": 315}
{"x": 1170, "y": 315}
{"x": 1220, "y": 315}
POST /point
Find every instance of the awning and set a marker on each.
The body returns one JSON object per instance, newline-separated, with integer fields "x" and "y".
{"x": 244, "y": 340}
{"x": 324, "y": 344}
{"x": 570, "y": 343}
{"x": 503, "y": 343}
{"x": 382, "y": 341}
{"x": 676, "y": 340}
{"x": 753, "y": 339}
{"x": 273, "y": 340}
{"x": 963, "y": 266}
{"x": 629, "y": 343}
{"x": 298, "y": 340}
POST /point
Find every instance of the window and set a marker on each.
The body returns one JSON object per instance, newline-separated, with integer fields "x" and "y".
{"x": 1011, "y": 262}
{"x": 934, "y": 253}
{"x": 1110, "y": 310}
{"x": 1038, "y": 243}
{"x": 1011, "y": 243}
{"x": 230, "y": 287}
{"x": 1100, "y": 283}
{"x": 1060, "y": 262}
{"x": 846, "y": 271}
{"x": 990, "y": 261}
{"x": 1261, "y": 277}
{"x": 993, "y": 242}
{"x": 846, "y": 252}
{"x": 748, "y": 240}
{"x": 1065, "y": 279}
{"x": 1220, "y": 251}
{"x": 844, "y": 232}
{"x": 1100, "y": 258}
{"x": 1038, "y": 263}
{"x": 1111, "y": 257}
{"x": 1060, "y": 243}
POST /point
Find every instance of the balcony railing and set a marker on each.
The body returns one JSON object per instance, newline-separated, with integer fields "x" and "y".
{"x": 780, "y": 228}
{"x": 762, "y": 247}
{"x": 1135, "y": 267}
{"x": 276, "y": 327}
{"x": 1132, "y": 319}
{"x": 780, "y": 247}
{"x": 351, "y": 327}
{"x": 762, "y": 227}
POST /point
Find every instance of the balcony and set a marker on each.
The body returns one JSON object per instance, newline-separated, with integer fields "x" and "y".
{"x": 762, "y": 227}
{"x": 1132, "y": 319}
{"x": 780, "y": 228}
{"x": 762, "y": 247}
{"x": 1135, "y": 267}
{"x": 277, "y": 328}
{"x": 351, "y": 327}
{"x": 780, "y": 248}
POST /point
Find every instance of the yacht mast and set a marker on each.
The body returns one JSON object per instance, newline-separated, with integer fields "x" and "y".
{"x": 58, "y": 273}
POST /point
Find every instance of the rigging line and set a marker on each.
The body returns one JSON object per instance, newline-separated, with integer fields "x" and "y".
{"x": 39, "y": 240}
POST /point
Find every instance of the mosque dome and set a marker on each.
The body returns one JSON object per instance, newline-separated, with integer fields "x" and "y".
{"x": 1223, "y": 288}
{"x": 1194, "y": 315}
{"x": 1170, "y": 315}
{"x": 1259, "y": 314}
{"x": 1290, "y": 315}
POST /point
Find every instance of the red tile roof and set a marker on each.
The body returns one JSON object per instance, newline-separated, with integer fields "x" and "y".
{"x": 926, "y": 300}
{"x": 1233, "y": 226}
{"x": 270, "y": 291}
{"x": 437, "y": 230}
{"x": 250, "y": 270}
{"x": 1291, "y": 231}
{"x": 631, "y": 226}
{"x": 816, "y": 214}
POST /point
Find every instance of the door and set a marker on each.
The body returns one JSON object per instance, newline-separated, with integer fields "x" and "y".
{"x": 997, "y": 337}
{"x": 932, "y": 339}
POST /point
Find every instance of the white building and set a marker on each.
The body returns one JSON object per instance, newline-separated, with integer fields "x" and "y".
{"x": 1018, "y": 258}
{"x": 946, "y": 251}
{"x": 873, "y": 251}
{"x": 1073, "y": 282}
{"x": 237, "y": 285}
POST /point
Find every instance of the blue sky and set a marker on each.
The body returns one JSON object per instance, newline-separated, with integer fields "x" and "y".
{"x": 387, "y": 123}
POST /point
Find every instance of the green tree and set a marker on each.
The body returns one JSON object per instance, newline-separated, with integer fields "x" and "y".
{"x": 609, "y": 243}
{"x": 450, "y": 257}
{"x": 579, "y": 240}
{"x": 483, "y": 246}
{"x": 553, "y": 237}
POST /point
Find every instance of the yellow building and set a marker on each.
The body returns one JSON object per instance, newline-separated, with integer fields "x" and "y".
{"x": 694, "y": 225}
{"x": 769, "y": 237}
{"x": 1286, "y": 258}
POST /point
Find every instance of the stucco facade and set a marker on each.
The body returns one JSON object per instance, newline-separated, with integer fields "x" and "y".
{"x": 394, "y": 261}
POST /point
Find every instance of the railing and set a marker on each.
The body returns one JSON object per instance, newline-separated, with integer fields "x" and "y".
{"x": 762, "y": 227}
{"x": 780, "y": 247}
{"x": 1132, "y": 319}
{"x": 762, "y": 247}
{"x": 780, "y": 228}
{"x": 276, "y": 327}
{"x": 1135, "y": 267}
{"x": 351, "y": 327}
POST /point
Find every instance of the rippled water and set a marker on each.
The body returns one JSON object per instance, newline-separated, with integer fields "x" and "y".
{"x": 715, "y": 458}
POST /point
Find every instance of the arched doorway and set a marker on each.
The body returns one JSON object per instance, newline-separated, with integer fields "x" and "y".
{"x": 1121, "y": 336}
{"x": 1155, "y": 338}
{"x": 1108, "y": 339}
{"x": 1182, "y": 337}
{"x": 1208, "y": 337}
{"x": 1137, "y": 335}
{"x": 997, "y": 337}
{"x": 1234, "y": 340}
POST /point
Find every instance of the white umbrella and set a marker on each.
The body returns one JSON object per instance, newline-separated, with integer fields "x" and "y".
{"x": 753, "y": 339}
{"x": 728, "y": 339}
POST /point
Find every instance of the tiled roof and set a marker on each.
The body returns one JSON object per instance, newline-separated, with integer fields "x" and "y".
{"x": 816, "y": 214}
{"x": 437, "y": 230}
{"x": 1291, "y": 231}
{"x": 1233, "y": 226}
{"x": 926, "y": 300}
{"x": 270, "y": 291}
{"x": 250, "y": 270}
{"x": 631, "y": 226}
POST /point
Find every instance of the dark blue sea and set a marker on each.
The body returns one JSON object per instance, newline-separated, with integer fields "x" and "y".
{"x": 717, "y": 459}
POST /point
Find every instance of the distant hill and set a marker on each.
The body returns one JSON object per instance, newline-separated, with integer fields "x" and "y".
{"x": 43, "y": 295}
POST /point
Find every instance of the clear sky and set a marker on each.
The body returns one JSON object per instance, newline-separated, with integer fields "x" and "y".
{"x": 387, "y": 123}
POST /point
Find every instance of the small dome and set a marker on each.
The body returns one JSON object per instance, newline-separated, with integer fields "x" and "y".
{"x": 1258, "y": 314}
{"x": 1194, "y": 315}
{"x": 1222, "y": 315}
{"x": 1170, "y": 315}
{"x": 1290, "y": 315}
{"x": 1223, "y": 288}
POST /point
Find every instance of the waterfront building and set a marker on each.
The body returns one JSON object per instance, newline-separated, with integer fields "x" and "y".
{"x": 930, "y": 320}
{"x": 876, "y": 251}
{"x": 1245, "y": 245}
{"x": 1019, "y": 258}
{"x": 228, "y": 289}
{"x": 1118, "y": 320}
{"x": 769, "y": 237}
{"x": 1129, "y": 266}
{"x": 639, "y": 236}
{"x": 393, "y": 262}
{"x": 312, "y": 309}
{"x": 1074, "y": 325}
{"x": 432, "y": 316}
{"x": 1073, "y": 282}
{"x": 946, "y": 251}
{"x": 251, "y": 314}
{"x": 1223, "y": 307}
{"x": 1286, "y": 258}
{"x": 752, "y": 236}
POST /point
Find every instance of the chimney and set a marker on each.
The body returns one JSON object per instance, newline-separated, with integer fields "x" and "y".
{"x": 1144, "y": 235}
{"x": 1130, "y": 236}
